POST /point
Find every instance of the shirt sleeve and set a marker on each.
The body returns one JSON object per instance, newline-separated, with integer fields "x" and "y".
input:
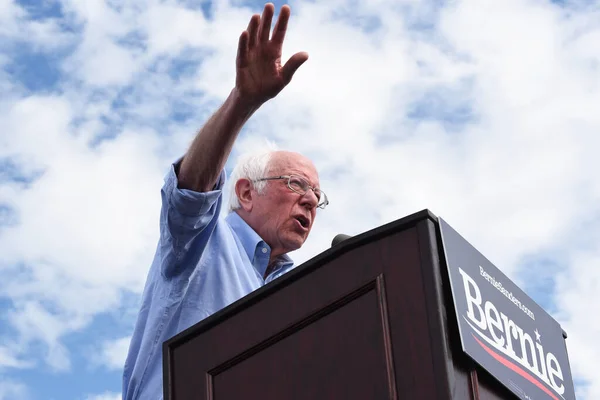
{"x": 187, "y": 220}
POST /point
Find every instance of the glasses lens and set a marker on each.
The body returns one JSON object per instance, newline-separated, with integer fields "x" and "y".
{"x": 301, "y": 186}
{"x": 298, "y": 184}
{"x": 318, "y": 194}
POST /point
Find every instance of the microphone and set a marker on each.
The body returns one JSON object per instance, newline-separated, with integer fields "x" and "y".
{"x": 339, "y": 238}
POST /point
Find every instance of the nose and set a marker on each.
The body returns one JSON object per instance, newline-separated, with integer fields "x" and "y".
{"x": 309, "y": 199}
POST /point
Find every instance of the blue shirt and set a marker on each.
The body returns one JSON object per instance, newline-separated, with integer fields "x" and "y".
{"x": 203, "y": 263}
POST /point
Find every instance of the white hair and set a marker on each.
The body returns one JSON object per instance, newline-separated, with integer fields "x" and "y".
{"x": 251, "y": 165}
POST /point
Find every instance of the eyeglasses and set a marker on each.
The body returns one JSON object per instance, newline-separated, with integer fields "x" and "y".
{"x": 300, "y": 186}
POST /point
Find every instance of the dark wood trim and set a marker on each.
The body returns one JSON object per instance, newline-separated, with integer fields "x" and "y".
{"x": 436, "y": 309}
{"x": 210, "y": 391}
{"x": 387, "y": 337}
{"x": 168, "y": 377}
{"x": 474, "y": 384}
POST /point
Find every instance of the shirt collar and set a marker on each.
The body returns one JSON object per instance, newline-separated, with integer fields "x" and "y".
{"x": 253, "y": 243}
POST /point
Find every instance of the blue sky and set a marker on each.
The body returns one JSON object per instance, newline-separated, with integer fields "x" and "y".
{"x": 483, "y": 112}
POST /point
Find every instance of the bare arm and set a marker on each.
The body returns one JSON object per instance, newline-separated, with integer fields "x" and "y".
{"x": 208, "y": 153}
{"x": 259, "y": 77}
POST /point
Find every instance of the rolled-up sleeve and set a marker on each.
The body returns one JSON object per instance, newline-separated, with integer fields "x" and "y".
{"x": 188, "y": 218}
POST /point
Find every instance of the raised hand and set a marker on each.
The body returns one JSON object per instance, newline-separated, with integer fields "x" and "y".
{"x": 259, "y": 73}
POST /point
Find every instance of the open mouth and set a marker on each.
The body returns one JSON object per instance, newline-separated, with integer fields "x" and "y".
{"x": 304, "y": 222}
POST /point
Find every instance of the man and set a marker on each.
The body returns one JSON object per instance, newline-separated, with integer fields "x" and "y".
{"x": 204, "y": 263}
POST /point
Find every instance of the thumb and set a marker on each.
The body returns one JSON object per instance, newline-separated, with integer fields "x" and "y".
{"x": 290, "y": 67}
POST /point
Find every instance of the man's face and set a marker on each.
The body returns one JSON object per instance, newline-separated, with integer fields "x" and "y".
{"x": 282, "y": 217}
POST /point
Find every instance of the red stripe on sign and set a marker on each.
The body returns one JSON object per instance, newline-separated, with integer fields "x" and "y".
{"x": 515, "y": 368}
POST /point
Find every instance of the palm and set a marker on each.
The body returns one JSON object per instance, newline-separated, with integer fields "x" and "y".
{"x": 260, "y": 75}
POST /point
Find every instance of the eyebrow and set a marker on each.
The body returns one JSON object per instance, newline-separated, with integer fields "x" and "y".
{"x": 307, "y": 180}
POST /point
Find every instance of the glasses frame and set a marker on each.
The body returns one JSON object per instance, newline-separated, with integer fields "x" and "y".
{"x": 289, "y": 178}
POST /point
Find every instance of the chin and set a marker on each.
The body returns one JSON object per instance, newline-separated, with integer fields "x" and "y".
{"x": 294, "y": 243}
{"x": 295, "y": 246}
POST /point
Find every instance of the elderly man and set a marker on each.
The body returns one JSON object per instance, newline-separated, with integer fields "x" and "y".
{"x": 203, "y": 262}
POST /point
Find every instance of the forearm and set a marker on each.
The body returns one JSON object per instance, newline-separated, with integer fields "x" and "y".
{"x": 208, "y": 153}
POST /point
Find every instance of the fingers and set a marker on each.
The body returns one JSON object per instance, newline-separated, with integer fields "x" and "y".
{"x": 265, "y": 23}
{"x": 253, "y": 30}
{"x": 281, "y": 25}
{"x": 292, "y": 65}
{"x": 242, "y": 53}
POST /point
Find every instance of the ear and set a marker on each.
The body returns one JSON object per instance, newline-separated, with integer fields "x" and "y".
{"x": 243, "y": 191}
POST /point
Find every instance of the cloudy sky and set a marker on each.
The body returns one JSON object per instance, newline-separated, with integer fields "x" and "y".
{"x": 484, "y": 111}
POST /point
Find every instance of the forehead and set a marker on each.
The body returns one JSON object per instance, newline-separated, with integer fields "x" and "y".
{"x": 283, "y": 162}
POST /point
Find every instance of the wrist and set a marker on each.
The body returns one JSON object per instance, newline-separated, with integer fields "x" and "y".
{"x": 243, "y": 104}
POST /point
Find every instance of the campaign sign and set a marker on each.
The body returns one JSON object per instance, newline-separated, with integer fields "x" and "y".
{"x": 502, "y": 328}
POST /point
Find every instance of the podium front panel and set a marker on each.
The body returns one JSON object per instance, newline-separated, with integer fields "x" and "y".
{"x": 357, "y": 358}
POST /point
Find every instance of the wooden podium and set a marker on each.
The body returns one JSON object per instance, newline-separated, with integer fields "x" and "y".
{"x": 370, "y": 318}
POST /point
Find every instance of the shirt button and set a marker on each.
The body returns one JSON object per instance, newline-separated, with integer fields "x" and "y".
{"x": 264, "y": 250}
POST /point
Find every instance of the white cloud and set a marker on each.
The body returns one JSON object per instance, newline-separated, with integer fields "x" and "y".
{"x": 105, "y": 396}
{"x": 577, "y": 301}
{"x": 171, "y": 29}
{"x": 377, "y": 106}
{"x": 8, "y": 359}
{"x": 73, "y": 222}
{"x": 10, "y": 12}
{"x": 112, "y": 354}
{"x": 16, "y": 24}
{"x": 10, "y": 390}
